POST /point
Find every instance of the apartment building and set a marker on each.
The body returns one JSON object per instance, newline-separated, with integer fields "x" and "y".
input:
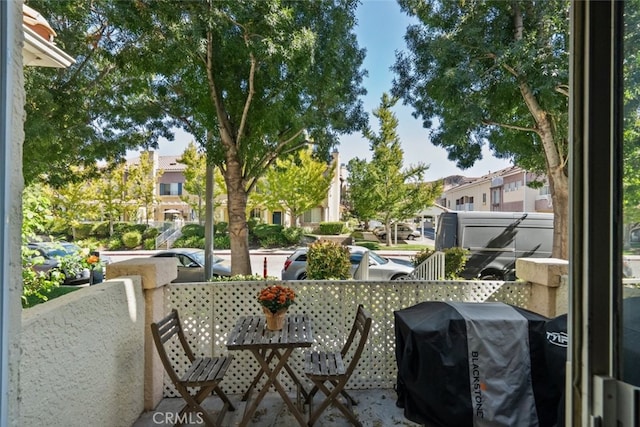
{"x": 170, "y": 190}
{"x": 505, "y": 190}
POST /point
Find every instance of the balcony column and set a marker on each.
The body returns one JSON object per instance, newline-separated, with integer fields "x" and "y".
{"x": 156, "y": 274}
{"x": 549, "y": 284}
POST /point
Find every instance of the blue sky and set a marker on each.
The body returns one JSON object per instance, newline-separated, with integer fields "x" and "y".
{"x": 381, "y": 28}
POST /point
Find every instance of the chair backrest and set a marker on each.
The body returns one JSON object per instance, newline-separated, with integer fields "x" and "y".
{"x": 362, "y": 327}
{"x": 163, "y": 331}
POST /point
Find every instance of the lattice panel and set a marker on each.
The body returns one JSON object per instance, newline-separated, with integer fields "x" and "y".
{"x": 209, "y": 311}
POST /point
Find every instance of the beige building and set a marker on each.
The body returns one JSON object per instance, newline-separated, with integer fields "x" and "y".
{"x": 169, "y": 191}
{"x": 505, "y": 190}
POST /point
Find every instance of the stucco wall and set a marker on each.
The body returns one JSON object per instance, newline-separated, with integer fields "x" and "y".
{"x": 12, "y": 202}
{"x": 82, "y": 358}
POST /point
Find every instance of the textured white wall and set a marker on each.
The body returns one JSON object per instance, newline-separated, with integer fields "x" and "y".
{"x": 82, "y": 358}
{"x": 12, "y": 147}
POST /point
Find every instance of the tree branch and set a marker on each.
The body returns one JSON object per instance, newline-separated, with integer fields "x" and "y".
{"x": 508, "y": 126}
{"x": 563, "y": 89}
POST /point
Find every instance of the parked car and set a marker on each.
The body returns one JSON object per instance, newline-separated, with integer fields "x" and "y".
{"x": 405, "y": 232}
{"x": 380, "y": 268}
{"x": 64, "y": 256}
{"x": 191, "y": 264}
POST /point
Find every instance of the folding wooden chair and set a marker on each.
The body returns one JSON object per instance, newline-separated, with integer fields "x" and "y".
{"x": 329, "y": 375}
{"x": 203, "y": 375}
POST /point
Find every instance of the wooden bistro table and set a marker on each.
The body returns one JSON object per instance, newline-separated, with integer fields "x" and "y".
{"x": 251, "y": 333}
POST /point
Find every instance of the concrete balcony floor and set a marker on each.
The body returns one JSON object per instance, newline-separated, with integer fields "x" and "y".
{"x": 376, "y": 408}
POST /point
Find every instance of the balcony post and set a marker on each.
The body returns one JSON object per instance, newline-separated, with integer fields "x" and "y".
{"x": 156, "y": 274}
{"x": 549, "y": 284}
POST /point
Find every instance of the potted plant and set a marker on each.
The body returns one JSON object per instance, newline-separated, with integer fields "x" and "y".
{"x": 275, "y": 300}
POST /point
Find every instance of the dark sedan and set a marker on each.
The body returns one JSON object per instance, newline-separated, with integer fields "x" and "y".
{"x": 191, "y": 264}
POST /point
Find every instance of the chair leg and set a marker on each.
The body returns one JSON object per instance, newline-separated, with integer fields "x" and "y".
{"x": 193, "y": 404}
{"x": 332, "y": 399}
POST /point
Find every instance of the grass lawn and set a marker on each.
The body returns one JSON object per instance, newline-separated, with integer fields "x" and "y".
{"x": 55, "y": 292}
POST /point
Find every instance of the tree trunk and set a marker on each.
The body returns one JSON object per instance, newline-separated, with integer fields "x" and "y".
{"x": 237, "y": 207}
{"x": 559, "y": 185}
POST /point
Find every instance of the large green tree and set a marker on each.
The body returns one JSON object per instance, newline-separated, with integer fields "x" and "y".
{"x": 296, "y": 183}
{"x": 93, "y": 110}
{"x": 493, "y": 73}
{"x": 251, "y": 81}
{"x": 395, "y": 192}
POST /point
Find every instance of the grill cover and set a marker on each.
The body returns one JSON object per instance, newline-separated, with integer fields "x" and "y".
{"x": 470, "y": 364}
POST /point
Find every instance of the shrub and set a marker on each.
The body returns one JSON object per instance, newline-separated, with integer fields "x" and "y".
{"x": 132, "y": 239}
{"x": 357, "y": 235}
{"x": 193, "y": 230}
{"x": 269, "y": 235}
{"x": 421, "y": 256}
{"x": 100, "y": 229}
{"x": 114, "y": 244}
{"x": 221, "y": 242}
{"x": 189, "y": 242}
{"x": 149, "y": 244}
{"x": 454, "y": 262}
{"x": 369, "y": 244}
{"x": 331, "y": 228}
{"x": 221, "y": 228}
{"x": 150, "y": 233}
{"x": 83, "y": 230}
{"x": 328, "y": 260}
{"x": 292, "y": 235}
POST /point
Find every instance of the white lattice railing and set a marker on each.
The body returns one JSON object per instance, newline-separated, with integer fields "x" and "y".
{"x": 431, "y": 268}
{"x": 210, "y": 310}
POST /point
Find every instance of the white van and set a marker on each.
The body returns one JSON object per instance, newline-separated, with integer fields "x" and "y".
{"x": 495, "y": 239}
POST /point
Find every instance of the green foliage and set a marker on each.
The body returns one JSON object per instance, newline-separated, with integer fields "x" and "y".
{"x": 274, "y": 235}
{"x": 82, "y": 230}
{"x": 384, "y": 185}
{"x": 36, "y": 286}
{"x": 149, "y": 244}
{"x": 454, "y": 260}
{"x": 100, "y": 230}
{"x": 192, "y": 241}
{"x": 31, "y": 300}
{"x": 369, "y": 244}
{"x": 292, "y": 235}
{"x": 132, "y": 239}
{"x": 193, "y": 230}
{"x": 292, "y": 74}
{"x": 64, "y": 105}
{"x": 328, "y": 260}
{"x": 296, "y": 184}
{"x": 221, "y": 242}
{"x": 114, "y": 244}
{"x": 494, "y": 74}
{"x": 331, "y": 228}
{"x": 421, "y": 256}
{"x": 150, "y": 233}
{"x": 221, "y": 228}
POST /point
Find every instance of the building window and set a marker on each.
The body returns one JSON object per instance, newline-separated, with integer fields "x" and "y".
{"x": 255, "y": 213}
{"x": 495, "y": 197}
{"x": 312, "y": 216}
{"x": 484, "y": 198}
{"x": 171, "y": 189}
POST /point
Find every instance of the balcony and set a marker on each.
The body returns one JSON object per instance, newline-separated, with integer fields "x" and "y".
{"x": 87, "y": 357}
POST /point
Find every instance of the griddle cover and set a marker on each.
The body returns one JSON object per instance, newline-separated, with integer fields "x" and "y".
{"x": 471, "y": 364}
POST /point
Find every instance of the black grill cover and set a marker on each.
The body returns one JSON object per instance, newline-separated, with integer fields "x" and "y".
{"x": 470, "y": 364}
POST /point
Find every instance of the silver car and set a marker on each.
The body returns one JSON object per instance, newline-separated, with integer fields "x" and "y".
{"x": 405, "y": 232}
{"x": 380, "y": 268}
{"x": 191, "y": 264}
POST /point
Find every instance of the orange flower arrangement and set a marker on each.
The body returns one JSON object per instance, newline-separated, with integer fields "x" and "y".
{"x": 276, "y": 298}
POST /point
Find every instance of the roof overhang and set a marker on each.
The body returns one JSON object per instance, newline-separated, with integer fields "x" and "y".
{"x": 39, "y": 52}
